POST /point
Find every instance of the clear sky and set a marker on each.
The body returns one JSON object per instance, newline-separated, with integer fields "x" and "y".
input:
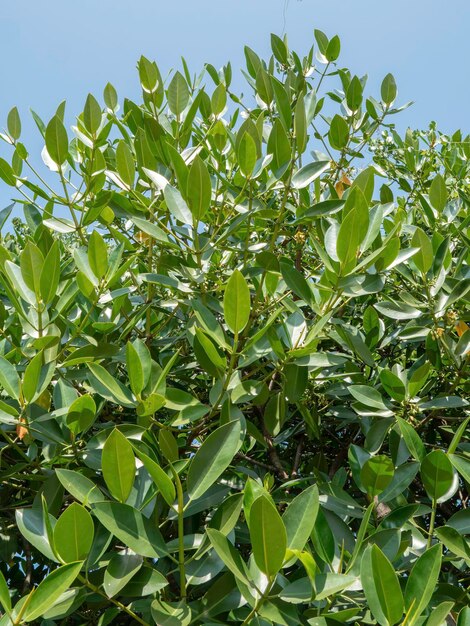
{"x": 52, "y": 50}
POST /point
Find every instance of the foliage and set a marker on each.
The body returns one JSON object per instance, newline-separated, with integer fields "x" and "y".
{"x": 234, "y": 357}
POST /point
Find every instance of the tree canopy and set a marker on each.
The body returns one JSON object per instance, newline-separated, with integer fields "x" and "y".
{"x": 233, "y": 356}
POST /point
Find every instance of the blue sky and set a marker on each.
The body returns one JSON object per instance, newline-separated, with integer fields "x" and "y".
{"x": 52, "y": 50}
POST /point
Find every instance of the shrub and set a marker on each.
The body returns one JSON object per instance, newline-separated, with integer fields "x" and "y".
{"x": 234, "y": 357}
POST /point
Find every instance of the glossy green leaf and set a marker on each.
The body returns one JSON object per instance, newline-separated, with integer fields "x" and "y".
{"x": 79, "y": 486}
{"x": 438, "y": 193}
{"x": 376, "y": 474}
{"x": 73, "y": 533}
{"x": 437, "y": 474}
{"x": 159, "y": 477}
{"x": 125, "y": 163}
{"x": 388, "y": 90}
{"x": 120, "y": 570}
{"x": 57, "y": 142}
{"x": 92, "y": 114}
{"x": 299, "y": 518}
{"x": 213, "y": 458}
{"x": 81, "y": 414}
{"x": 118, "y": 464}
{"x": 422, "y": 581}
{"x": 199, "y": 189}
{"x": 5, "y": 599}
{"x": 338, "y": 134}
{"x": 178, "y": 94}
{"x": 50, "y": 590}
{"x": 129, "y": 525}
{"x": 381, "y": 587}
{"x": 14, "y": 123}
{"x": 237, "y": 302}
{"x": 268, "y": 536}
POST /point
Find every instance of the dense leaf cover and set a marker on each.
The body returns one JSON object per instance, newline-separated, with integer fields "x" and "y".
{"x": 234, "y": 357}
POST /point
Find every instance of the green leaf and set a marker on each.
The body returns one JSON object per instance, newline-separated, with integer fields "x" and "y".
{"x": 148, "y": 74}
{"x": 219, "y": 99}
{"x": 388, "y": 90}
{"x": 125, "y": 164}
{"x": 424, "y": 258}
{"x": 108, "y": 386}
{"x": 79, "y": 486}
{"x": 6, "y": 173}
{"x": 296, "y": 380}
{"x": 168, "y": 445}
{"x": 279, "y": 146}
{"x": 31, "y": 377}
{"x": 9, "y": 379}
{"x": 310, "y": 172}
{"x": 338, "y": 134}
{"x": 31, "y": 263}
{"x": 412, "y": 440}
{"x": 178, "y": 94}
{"x": 159, "y": 477}
{"x": 246, "y": 154}
{"x": 50, "y": 590}
{"x": 438, "y": 193}
{"x": 418, "y": 378}
{"x": 139, "y": 364}
{"x": 14, "y": 123}
{"x": 50, "y": 274}
{"x": 146, "y": 582}
{"x": 213, "y": 458}
{"x": 92, "y": 114}
{"x": 353, "y": 229}
{"x": 73, "y": 534}
{"x": 279, "y": 49}
{"x": 81, "y": 414}
{"x": 333, "y": 49}
{"x": 176, "y": 205}
{"x": 439, "y": 614}
{"x": 227, "y": 553}
{"x": 368, "y": 396}
{"x": 381, "y": 587}
{"x": 208, "y": 354}
{"x": 118, "y": 464}
{"x": 376, "y": 474}
{"x": 129, "y": 525}
{"x": 299, "y": 518}
{"x": 457, "y": 437}
{"x": 32, "y": 525}
{"x": 120, "y": 571}
{"x": 422, "y": 581}
{"x": 397, "y": 310}
{"x": 110, "y": 97}
{"x": 462, "y": 465}
{"x": 263, "y": 85}
{"x": 437, "y": 474}
{"x": 455, "y": 542}
{"x": 354, "y": 94}
{"x": 393, "y": 385}
{"x": 237, "y": 302}
{"x": 5, "y": 599}
{"x": 57, "y": 142}
{"x": 300, "y": 125}
{"x": 268, "y": 536}
{"x": 199, "y": 189}
{"x": 296, "y": 282}
{"x": 97, "y": 254}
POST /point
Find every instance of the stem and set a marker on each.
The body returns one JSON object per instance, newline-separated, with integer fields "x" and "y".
{"x": 258, "y": 604}
{"x": 181, "y": 564}
{"x": 123, "y": 607}
{"x": 431, "y": 523}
